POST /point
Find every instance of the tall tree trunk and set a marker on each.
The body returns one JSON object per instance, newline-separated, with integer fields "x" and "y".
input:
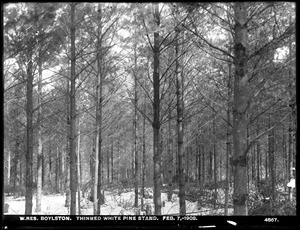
{"x": 73, "y": 161}
{"x": 271, "y": 151}
{"x": 62, "y": 173}
{"x": 16, "y": 140}
{"x": 78, "y": 169}
{"x": 215, "y": 159}
{"x": 40, "y": 141}
{"x": 228, "y": 151}
{"x": 92, "y": 169}
{"x": 290, "y": 157}
{"x": 179, "y": 105}
{"x": 240, "y": 109}
{"x": 8, "y": 166}
{"x": 266, "y": 165}
{"x": 57, "y": 171}
{"x": 108, "y": 166}
{"x": 136, "y": 172}
{"x": 156, "y": 118}
{"x": 14, "y": 168}
{"x": 29, "y": 139}
{"x": 258, "y": 157}
{"x": 99, "y": 104}
{"x": 112, "y": 160}
{"x": 67, "y": 167}
{"x": 143, "y": 157}
{"x": 170, "y": 157}
{"x": 292, "y": 123}
{"x": 203, "y": 174}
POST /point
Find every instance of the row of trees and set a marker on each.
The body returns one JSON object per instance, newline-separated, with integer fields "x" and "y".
{"x": 162, "y": 95}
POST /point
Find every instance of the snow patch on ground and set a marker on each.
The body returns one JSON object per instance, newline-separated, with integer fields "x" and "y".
{"x": 114, "y": 205}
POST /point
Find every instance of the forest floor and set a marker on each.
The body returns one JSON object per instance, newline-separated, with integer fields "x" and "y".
{"x": 115, "y": 204}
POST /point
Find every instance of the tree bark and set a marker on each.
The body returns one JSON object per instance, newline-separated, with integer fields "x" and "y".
{"x": 290, "y": 157}
{"x": 40, "y": 141}
{"x": 136, "y": 171}
{"x": 179, "y": 106}
{"x": 8, "y": 166}
{"x": 57, "y": 171}
{"x": 271, "y": 151}
{"x": 112, "y": 161}
{"x": 143, "y": 157}
{"x": 156, "y": 118}
{"x": 78, "y": 169}
{"x": 99, "y": 105}
{"x": 215, "y": 159}
{"x": 170, "y": 159}
{"x": 29, "y": 131}
{"x": 258, "y": 157}
{"x": 240, "y": 109}
{"x": 73, "y": 161}
{"x": 228, "y": 139}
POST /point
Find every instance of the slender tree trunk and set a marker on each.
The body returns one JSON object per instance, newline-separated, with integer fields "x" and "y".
{"x": 228, "y": 154}
{"x": 271, "y": 151}
{"x": 108, "y": 167}
{"x": 43, "y": 172}
{"x": 179, "y": 94}
{"x": 78, "y": 169}
{"x": 284, "y": 149}
{"x": 73, "y": 161}
{"x": 8, "y": 166}
{"x": 144, "y": 157}
{"x": 62, "y": 173}
{"x": 96, "y": 163}
{"x": 92, "y": 171}
{"x": 16, "y": 140}
{"x": 291, "y": 126}
{"x": 258, "y": 157}
{"x": 156, "y": 118}
{"x": 40, "y": 141}
{"x": 112, "y": 160}
{"x": 57, "y": 171}
{"x": 203, "y": 174}
{"x": 136, "y": 172}
{"x": 170, "y": 159}
{"x": 210, "y": 168}
{"x": 29, "y": 139}
{"x": 228, "y": 139}
{"x": 215, "y": 159}
{"x": 240, "y": 109}
{"x": 14, "y": 168}
{"x": 266, "y": 165}
{"x": 50, "y": 167}
{"x": 67, "y": 178}
{"x": 290, "y": 158}
{"x": 99, "y": 104}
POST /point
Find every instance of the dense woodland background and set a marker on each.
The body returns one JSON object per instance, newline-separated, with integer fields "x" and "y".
{"x": 185, "y": 98}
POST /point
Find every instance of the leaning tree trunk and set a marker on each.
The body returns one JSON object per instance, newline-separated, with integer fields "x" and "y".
{"x": 29, "y": 139}
{"x": 240, "y": 109}
{"x": 73, "y": 168}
